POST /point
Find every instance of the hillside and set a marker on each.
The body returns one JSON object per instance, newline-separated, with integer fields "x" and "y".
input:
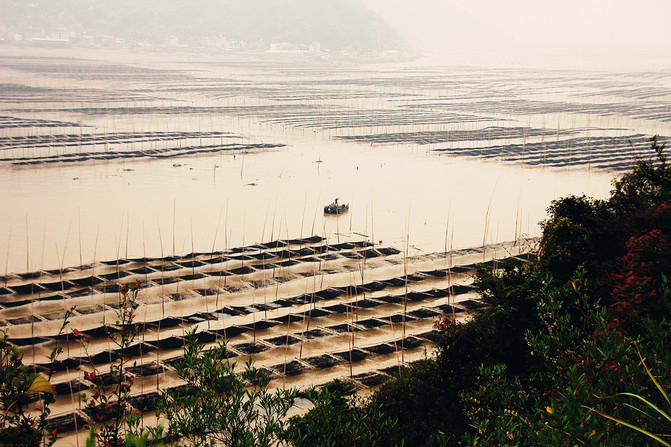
{"x": 336, "y": 24}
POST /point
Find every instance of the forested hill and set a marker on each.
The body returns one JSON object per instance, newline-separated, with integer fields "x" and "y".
{"x": 336, "y": 24}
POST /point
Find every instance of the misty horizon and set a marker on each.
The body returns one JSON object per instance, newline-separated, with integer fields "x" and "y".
{"x": 617, "y": 34}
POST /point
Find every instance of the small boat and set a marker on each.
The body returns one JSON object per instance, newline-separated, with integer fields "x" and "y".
{"x": 336, "y": 208}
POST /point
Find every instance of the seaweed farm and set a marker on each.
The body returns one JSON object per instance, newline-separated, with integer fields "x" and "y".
{"x": 305, "y": 310}
{"x": 203, "y": 179}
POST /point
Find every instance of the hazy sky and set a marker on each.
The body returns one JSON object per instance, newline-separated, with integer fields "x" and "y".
{"x": 610, "y": 25}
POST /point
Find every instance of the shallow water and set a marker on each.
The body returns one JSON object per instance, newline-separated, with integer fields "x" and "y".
{"x": 401, "y": 193}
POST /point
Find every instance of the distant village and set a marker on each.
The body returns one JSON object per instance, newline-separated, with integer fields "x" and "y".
{"x": 63, "y": 38}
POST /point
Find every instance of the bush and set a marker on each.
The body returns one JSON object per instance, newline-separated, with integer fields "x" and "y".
{"x": 219, "y": 406}
{"x": 336, "y": 420}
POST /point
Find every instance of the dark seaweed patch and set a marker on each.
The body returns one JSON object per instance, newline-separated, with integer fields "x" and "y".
{"x": 242, "y": 270}
{"x": 287, "y": 263}
{"x": 283, "y": 340}
{"x": 329, "y": 293}
{"x": 448, "y": 309}
{"x": 371, "y": 379}
{"x": 322, "y": 361}
{"x": 88, "y": 281}
{"x": 114, "y": 275}
{"x": 149, "y": 369}
{"x": 145, "y": 402}
{"x": 292, "y": 368}
{"x": 371, "y": 323}
{"x": 343, "y": 327}
{"x": 366, "y": 304}
{"x": 289, "y": 318}
{"x": 167, "y": 267}
{"x": 143, "y": 270}
{"x": 251, "y": 348}
{"x": 370, "y": 253}
{"x": 139, "y": 349}
{"x": 436, "y": 273}
{"x": 462, "y": 269}
{"x": 66, "y": 423}
{"x": 471, "y": 304}
{"x": 192, "y": 277}
{"x": 116, "y": 262}
{"x": 351, "y": 254}
{"x": 172, "y": 342}
{"x": 424, "y": 313}
{"x": 104, "y": 357}
{"x": 355, "y": 355}
{"x": 215, "y": 260}
{"x": 339, "y": 308}
{"x": 231, "y": 331}
{"x": 27, "y": 341}
{"x": 398, "y": 318}
{"x": 262, "y": 325}
{"x": 374, "y": 286}
{"x": 88, "y": 310}
{"x": 416, "y": 297}
{"x": 25, "y": 289}
{"x": 432, "y": 335}
{"x": 24, "y": 320}
{"x": 58, "y": 285}
{"x": 395, "y": 282}
{"x": 391, "y": 299}
{"x": 388, "y": 251}
{"x": 16, "y": 303}
{"x": 164, "y": 323}
{"x": 190, "y": 264}
{"x": 411, "y": 343}
{"x": 381, "y": 349}
{"x": 460, "y": 289}
{"x": 78, "y": 293}
{"x": 315, "y": 333}
{"x": 301, "y": 299}
{"x": 266, "y": 266}
{"x": 109, "y": 288}
{"x": 74, "y": 386}
{"x": 316, "y": 313}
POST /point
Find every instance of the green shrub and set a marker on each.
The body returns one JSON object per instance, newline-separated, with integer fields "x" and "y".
{"x": 219, "y": 406}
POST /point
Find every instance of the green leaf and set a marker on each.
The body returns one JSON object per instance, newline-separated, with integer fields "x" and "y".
{"x": 649, "y": 404}
{"x": 626, "y": 424}
{"x": 40, "y": 385}
{"x": 91, "y": 440}
{"x": 659, "y": 387}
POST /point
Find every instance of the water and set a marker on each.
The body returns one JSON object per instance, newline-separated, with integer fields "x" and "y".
{"x": 402, "y": 192}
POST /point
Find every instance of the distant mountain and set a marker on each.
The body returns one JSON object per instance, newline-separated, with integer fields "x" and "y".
{"x": 336, "y": 24}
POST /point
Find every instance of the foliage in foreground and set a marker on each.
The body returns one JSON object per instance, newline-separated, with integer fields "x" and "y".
{"x": 25, "y": 396}
{"x": 336, "y": 421}
{"x": 220, "y": 406}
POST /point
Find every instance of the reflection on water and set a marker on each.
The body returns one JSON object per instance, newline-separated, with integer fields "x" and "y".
{"x": 401, "y": 189}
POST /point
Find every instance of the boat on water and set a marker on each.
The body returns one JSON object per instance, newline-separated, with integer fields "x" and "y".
{"x": 336, "y": 208}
